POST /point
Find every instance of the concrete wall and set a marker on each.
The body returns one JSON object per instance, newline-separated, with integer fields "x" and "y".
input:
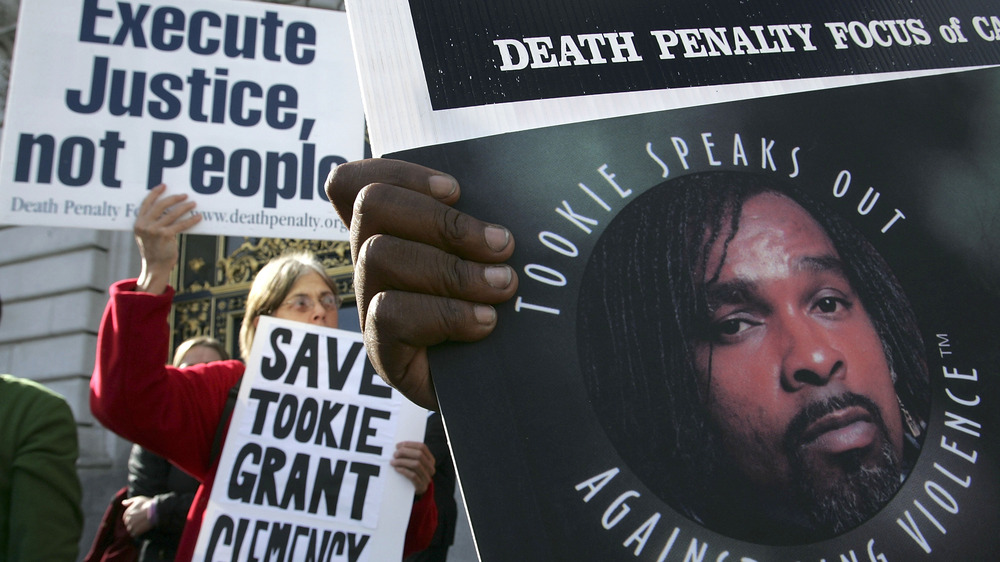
{"x": 53, "y": 282}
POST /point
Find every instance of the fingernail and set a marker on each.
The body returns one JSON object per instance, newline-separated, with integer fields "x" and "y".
{"x": 442, "y": 186}
{"x": 485, "y": 314}
{"x": 498, "y": 276}
{"x": 497, "y": 237}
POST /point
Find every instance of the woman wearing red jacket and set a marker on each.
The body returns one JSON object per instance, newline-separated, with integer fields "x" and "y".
{"x": 175, "y": 412}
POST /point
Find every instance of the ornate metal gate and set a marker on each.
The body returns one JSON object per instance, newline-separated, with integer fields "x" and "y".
{"x": 214, "y": 276}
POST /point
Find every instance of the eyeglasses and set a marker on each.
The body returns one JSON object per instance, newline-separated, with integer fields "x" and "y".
{"x": 305, "y": 303}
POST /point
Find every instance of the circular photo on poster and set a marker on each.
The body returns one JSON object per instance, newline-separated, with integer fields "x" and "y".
{"x": 752, "y": 358}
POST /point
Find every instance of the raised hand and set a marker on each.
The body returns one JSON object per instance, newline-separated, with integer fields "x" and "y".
{"x": 424, "y": 273}
{"x": 157, "y": 224}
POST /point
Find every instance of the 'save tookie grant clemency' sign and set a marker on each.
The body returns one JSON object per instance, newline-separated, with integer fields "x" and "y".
{"x": 304, "y": 473}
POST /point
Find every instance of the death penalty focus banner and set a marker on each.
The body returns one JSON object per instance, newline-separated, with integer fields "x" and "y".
{"x": 452, "y": 70}
{"x": 305, "y": 474}
{"x": 244, "y": 106}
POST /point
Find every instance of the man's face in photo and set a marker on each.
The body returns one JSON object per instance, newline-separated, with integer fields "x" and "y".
{"x": 799, "y": 388}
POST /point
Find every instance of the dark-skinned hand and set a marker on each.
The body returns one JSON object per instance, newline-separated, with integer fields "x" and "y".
{"x": 424, "y": 273}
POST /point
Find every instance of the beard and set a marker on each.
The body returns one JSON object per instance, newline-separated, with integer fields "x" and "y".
{"x": 815, "y": 504}
{"x": 864, "y": 488}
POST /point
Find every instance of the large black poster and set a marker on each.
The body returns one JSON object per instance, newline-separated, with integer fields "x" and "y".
{"x": 758, "y": 330}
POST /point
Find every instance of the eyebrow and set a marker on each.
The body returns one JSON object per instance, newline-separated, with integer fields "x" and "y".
{"x": 822, "y": 264}
{"x": 306, "y": 294}
{"x": 737, "y": 291}
{"x": 742, "y": 291}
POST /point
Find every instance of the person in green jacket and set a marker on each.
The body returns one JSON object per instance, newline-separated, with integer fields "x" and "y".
{"x": 41, "y": 518}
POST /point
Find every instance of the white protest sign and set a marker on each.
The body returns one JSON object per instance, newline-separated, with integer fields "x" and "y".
{"x": 305, "y": 467}
{"x": 244, "y": 106}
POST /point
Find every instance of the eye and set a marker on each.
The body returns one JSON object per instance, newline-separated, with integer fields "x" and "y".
{"x": 329, "y": 301}
{"x": 832, "y": 305}
{"x": 828, "y": 305}
{"x": 301, "y": 303}
{"x": 730, "y": 329}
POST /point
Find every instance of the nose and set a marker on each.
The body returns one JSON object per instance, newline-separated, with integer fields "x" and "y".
{"x": 323, "y": 316}
{"x": 809, "y": 356}
{"x": 318, "y": 313}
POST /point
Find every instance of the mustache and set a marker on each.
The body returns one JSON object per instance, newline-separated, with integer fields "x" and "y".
{"x": 794, "y": 434}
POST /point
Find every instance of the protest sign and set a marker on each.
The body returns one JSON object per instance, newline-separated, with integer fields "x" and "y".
{"x": 640, "y": 390}
{"x": 244, "y": 106}
{"x": 304, "y": 473}
{"x": 436, "y": 72}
